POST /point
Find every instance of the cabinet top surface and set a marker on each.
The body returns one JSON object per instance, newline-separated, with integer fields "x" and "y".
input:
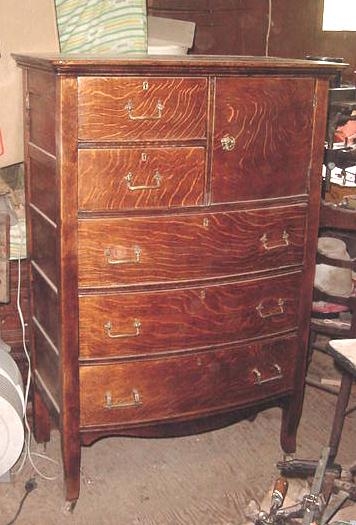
{"x": 89, "y": 64}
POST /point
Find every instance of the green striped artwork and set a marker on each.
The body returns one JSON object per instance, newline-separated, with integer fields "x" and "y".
{"x": 102, "y": 26}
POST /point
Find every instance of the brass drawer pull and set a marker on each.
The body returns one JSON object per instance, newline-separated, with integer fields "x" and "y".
{"x": 270, "y": 245}
{"x": 156, "y": 177}
{"x": 109, "y": 332}
{"x": 109, "y": 254}
{"x": 258, "y": 375}
{"x": 136, "y": 401}
{"x": 277, "y": 310}
{"x": 228, "y": 143}
{"x": 130, "y": 108}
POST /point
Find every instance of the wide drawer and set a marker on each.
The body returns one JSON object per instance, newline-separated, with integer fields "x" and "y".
{"x": 184, "y": 247}
{"x": 148, "y": 322}
{"x": 135, "y": 108}
{"x": 185, "y": 386}
{"x": 110, "y": 179}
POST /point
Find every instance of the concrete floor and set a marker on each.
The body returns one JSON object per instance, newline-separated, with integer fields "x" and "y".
{"x": 207, "y": 479}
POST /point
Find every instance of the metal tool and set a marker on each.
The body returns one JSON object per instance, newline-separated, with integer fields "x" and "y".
{"x": 313, "y": 503}
{"x": 277, "y": 499}
{"x": 309, "y": 508}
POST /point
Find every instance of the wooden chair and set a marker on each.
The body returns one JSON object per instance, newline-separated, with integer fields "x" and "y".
{"x": 343, "y": 351}
{"x": 339, "y": 223}
{"x": 342, "y": 480}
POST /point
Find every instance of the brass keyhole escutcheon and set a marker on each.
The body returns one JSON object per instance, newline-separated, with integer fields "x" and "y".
{"x": 228, "y": 143}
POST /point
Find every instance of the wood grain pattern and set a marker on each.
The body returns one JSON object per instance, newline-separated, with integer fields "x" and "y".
{"x": 103, "y": 184}
{"x": 102, "y": 114}
{"x": 45, "y": 246}
{"x": 271, "y": 121}
{"x": 186, "y": 247}
{"x": 47, "y": 362}
{"x": 186, "y": 385}
{"x": 216, "y": 288}
{"x": 43, "y": 173}
{"x": 67, "y": 165}
{"x": 187, "y": 318}
{"x": 41, "y": 101}
{"x": 45, "y": 307}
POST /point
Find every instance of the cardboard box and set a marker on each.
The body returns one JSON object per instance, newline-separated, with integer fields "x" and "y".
{"x": 167, "y": 35}
{"x": 25, "y": 26}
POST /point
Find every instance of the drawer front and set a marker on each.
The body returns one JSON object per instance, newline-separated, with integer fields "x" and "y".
{"x": 112, "y": 179}
{"x": 262, "y": 138}
{"x": 149, "y": 322}
{"x": 181, "y": 386}
{"x": 184, "y": 247}
{"x": 135, "y": 108}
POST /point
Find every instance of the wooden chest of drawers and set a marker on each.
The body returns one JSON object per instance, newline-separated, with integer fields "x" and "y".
{"x": 172, "y": 216}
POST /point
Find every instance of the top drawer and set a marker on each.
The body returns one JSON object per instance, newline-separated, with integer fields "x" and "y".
{"x": 126, "y": 109}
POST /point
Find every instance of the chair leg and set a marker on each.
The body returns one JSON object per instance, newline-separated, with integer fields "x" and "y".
{"x": 311, "y": 342}
{"x": 339, "y": 417}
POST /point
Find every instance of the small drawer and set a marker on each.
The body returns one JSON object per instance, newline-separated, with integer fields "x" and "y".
{"x": 185, "y": 247}
{"x": 111, "y": 179}
{"x": 151, "y": 322}
{"x": 185, "y": 386}
{"x": 135, "y": 108}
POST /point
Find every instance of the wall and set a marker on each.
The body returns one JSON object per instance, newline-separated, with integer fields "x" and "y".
{"x": 297, "y": 32}
{"x": 26, "y": 26}
{"x": 222, "y": 26}
{"x": 239, "y": 27}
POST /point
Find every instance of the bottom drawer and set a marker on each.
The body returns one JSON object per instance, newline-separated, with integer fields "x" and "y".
{"x": 185, "y": 386}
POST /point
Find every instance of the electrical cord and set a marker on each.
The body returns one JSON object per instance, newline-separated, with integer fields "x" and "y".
{"x": 30, "y": 485}
{"x": 27, "y": 448}
{"x": 268, "y": 27}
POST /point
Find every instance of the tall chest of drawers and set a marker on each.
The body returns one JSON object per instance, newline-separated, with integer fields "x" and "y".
{"x": 172, "y": 217}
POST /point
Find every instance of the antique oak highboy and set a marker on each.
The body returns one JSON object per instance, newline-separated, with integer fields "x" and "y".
{"x": 172, "y": 222}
